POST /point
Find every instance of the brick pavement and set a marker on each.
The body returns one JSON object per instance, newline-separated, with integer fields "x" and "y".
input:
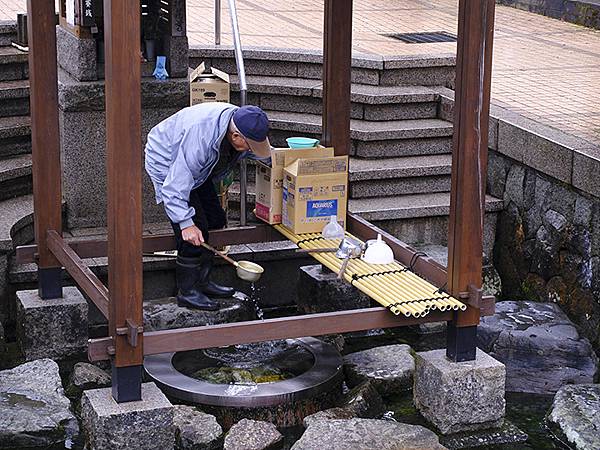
{"x": 545, "y": 69}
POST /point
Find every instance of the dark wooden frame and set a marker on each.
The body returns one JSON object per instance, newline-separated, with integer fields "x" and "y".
{"x": 121, "y": 302}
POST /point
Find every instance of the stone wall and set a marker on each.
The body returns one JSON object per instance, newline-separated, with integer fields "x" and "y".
{"x": 548, "y": 242}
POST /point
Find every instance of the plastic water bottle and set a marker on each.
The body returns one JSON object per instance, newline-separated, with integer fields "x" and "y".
{"x": 333, "y": 230}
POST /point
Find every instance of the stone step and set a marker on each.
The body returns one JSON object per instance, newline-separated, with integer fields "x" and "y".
{"x": 420, "y": 70}
{"x": 13, "y": 64}
{"x": 368, "y": 102}
{"x": 8, "y": 32}
{"x": 15, "y": 136}
{"x": 393, "y": 138}
{"x": 399, "y": 176}
{"x": 410, "y": 206}
{"x": 14, "y": 98}
{"x": 15, "y": 177}
{"x": 15, "y": 222}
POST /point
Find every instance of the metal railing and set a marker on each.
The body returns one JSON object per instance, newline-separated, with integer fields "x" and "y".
{"x": 239, "y": 60}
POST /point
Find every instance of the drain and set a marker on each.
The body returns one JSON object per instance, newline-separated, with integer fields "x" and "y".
{"x": 423, "y": 38}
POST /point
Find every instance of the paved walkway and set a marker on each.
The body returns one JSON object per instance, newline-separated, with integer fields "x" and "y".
{"x": 545, "y": 69}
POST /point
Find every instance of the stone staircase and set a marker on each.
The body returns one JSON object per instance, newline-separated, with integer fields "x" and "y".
{"x": 16, "y": 202}
{"x": 400, "y": 161}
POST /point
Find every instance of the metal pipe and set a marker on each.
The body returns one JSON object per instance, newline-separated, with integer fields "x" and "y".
{"x": 239, "y": 61}
{"x": 217, "y": 22}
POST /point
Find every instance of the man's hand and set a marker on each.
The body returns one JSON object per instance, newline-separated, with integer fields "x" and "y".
{"x": 193, "y": 235}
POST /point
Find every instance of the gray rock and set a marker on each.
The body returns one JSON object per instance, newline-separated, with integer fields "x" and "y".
{"x": 506, "y": 434}
{"x": 364, "y": 401}
{"x": 319, "y": 290}
{"x": 366, "y": 434}
{"x": 253, "y": 435}
{"x": 539, "y": 345}
{"x": 459, "y": 396}
{"x": 138, "y": 425}
{"x": 574, "y": 415}
{"x": 389, "y": 368}
{"x": 328, "y": 414}
{"x": 34, "y": 412}
{"x": 195, "y": 430}
{"x": 55, "y": 328}
{"x": 164, "y": 314}
{"x": 86, "y": 376}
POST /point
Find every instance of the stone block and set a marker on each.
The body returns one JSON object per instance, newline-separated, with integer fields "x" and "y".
{"x": 139, "y": 425}
{"x": 403, "y": 147}
{"x": 459, "y": 396}
{"x": 76, "y": 55}
{"x": 52, "y": 328}
{"x": 586, "y": 167}
{"x": 319, "y": 290}
{"x": 86, "y": 376}
{"x": 539, "y": 345}
{"x": 178, "y": 56}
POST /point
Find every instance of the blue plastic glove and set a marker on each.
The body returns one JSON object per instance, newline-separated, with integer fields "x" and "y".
{"x": 160, "y": 71}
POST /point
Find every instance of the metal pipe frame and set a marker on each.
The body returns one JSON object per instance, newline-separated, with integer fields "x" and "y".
{"x": 217, "y": 22}
{"x": 241, "y": 70}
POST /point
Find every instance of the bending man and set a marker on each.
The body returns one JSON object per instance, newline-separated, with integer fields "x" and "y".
{"x": 185, "y": 155}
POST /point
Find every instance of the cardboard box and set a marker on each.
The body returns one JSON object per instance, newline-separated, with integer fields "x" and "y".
{"x": 313, "y": 190}
{"x": 269, "y": 180}
{"x": 208, "y": 87}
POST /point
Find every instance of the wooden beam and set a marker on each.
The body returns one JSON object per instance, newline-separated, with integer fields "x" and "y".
{"x": 45, "y": 142}
{"x": 81, "y": 273}
{"x": 183, "y": 339}
{"x": 337, "y": 66}
{"x": 124, "y": 181}
{"x": 98, "y": 248}
{"x": 469, "y": 160}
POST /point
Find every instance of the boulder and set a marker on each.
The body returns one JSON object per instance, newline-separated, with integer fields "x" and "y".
{"x": 328, "y": 414}
{"x": 253, "y": 435}
{"x": 508, "y": 434}
{"x": 389, "y": 368}
{"x": 195, "y": 430}
{"x": 164, "y": 314}
{"x": 575, "y": 415}
{"x": 86, "y": 376}
{"x": 34, "y": 412}
{"x": 539, "y": 345}
{"x": 363, "y": 401}
{"x": 366, "y": 434}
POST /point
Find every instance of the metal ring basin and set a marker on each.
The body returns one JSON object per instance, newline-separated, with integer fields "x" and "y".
{"x": 322, "y": 376}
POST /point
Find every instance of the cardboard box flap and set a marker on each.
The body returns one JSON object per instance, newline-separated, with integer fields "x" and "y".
{"x": 199, "y": 72}
{"x": 318, "y": 166}
{"x": 295, "y": 154}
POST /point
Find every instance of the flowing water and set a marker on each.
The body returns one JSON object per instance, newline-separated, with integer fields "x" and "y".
{"x": 255, "y": 293}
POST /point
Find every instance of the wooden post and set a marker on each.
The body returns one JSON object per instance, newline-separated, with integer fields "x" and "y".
{"x": 45, "y": 141}
{"x": 469, "y": 168}
{"x": 124, "y": 179}
{"x": 337, "y": 63}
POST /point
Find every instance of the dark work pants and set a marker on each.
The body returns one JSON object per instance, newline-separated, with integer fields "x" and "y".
{"x": 209, "y": 216}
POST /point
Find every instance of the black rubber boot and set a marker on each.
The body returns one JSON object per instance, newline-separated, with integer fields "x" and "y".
{"x": 207, "y": 286}
{"x": 188, "y": 281}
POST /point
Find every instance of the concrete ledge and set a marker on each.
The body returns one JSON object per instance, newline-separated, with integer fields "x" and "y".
{"x": 52, "y": 328}
{"x": 580, "y": 12}
{"x": 560, "y": 155}
{"x": 143, "y": 425}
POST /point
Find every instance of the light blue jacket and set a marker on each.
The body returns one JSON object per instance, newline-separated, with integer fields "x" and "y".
{"x": 181, "y": 152}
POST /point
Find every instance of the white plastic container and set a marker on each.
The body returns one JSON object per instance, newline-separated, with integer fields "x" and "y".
{"x": 378, "y": 252}
{"x": 333, "y": 230}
